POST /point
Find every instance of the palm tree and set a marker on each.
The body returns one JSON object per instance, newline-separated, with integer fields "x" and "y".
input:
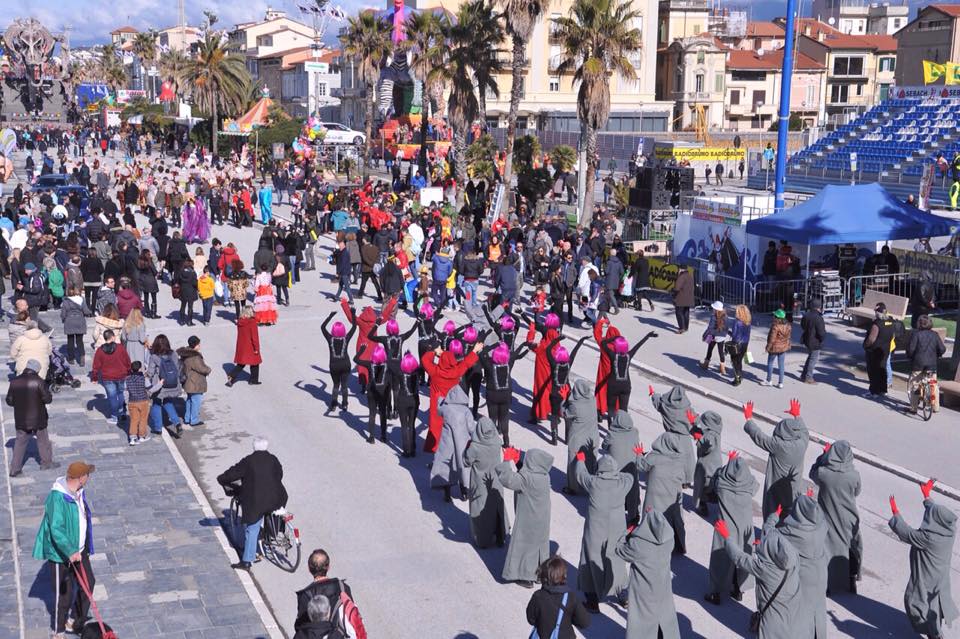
{"x": 428, "y": 45}
{"x": 598, "y": 38}
{"x": 367, "y": 40}
{"x": 110, "y": 70}
{"x": 173, "y": 66}
{"x": 462, "y": 105}
{"x": 482, "y": 28}
{"x": 145, "y": 48}
{"x": 521, "y": 16}
{"x": 219, "y": 79}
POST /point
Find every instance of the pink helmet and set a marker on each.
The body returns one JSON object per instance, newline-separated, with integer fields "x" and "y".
{"x": 456, "y": 347}
{"x": 409, "y": 363}
{"x": 507, "y": 323}
{"x": 470, "y": 335}
{"x": 392, "y": 327}
{"x": 426, "y": 310}
{"x": 338, "y": 329}
{"x": 621, "y": 345}
{"x": 551, "y": 321}
{"x": 501, "y": 354}
{"x": 379, "y": 355}
{"x": 561, "y": 354}
{"x": 449, "y": 328}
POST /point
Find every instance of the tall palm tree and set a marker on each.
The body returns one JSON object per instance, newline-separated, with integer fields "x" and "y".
{"x": 428, "y": 45}
{"x": 219, "y": 79}
{"x": 462, "y": 105}
{"x": 145, "y": 48}
{"x": 521, "y": 16}
{"x": 173, "y": 67}
{"x": 367, "y": 40}
{"x": 110, "y": 69}
{"x": 482, "y": 27}
{"x": 598, "y": 38}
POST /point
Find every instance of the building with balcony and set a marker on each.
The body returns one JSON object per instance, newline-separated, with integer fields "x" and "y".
{"x": 274, "y": 34}
{"x": 309, "y": 80}
{"x": 678, "y": 19}
{"x": 934, "y": 35}
{"x": 692, "y": 75}
{"x": 178, "y": 38}
{"x": 862, "y": 17}
{"x": 887, "y": 18}
{"x": 757, "y": 35}
{"x": 123, "y": 34}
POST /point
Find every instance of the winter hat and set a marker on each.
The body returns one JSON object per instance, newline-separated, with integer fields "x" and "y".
{"x": 338, "y": 329}
{"x": 456, "y": 347}
{"x": 621, "y": 345}
{"x": 779, "y": 314}
{"x": 30, "y": 266}
{"x": 33, "y": 365}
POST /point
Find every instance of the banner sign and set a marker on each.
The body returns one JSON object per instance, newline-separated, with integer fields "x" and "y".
{"x": 662, "y": 274}
{"x": 949, "y": 72}
{"x": 942, "y": 267}
{"x": 704, "y": 154}
{"x": 722, "y": 212}
{"x": 925, "y": 92}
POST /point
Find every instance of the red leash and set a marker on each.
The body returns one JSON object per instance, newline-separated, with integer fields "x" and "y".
{"x": 85, "y": 585}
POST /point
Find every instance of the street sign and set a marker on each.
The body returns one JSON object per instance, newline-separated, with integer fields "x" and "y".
{"x": 316, "y": 67}
{"x": 277, "y": 149}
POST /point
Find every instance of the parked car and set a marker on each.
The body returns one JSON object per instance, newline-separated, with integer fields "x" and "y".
{"x": 50, "y": 181}
{"x": 340, "y": 134}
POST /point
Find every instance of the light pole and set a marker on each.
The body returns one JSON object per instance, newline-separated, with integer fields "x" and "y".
{"x": 783, "y": 129}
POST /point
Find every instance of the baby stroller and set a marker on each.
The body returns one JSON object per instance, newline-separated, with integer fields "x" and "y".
{"x": 58, "y": 374}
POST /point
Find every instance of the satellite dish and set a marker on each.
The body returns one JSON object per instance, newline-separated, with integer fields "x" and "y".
{"x": 831, "y": 21}
{"x": 760, "y": 52}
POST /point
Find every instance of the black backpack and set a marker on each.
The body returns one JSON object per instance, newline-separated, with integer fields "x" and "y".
{"x": 169, "y": 373}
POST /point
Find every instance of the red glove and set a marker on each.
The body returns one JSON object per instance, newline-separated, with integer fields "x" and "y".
{"x": 779, "y": 510}
{"x": 926, "y": 488}
{"x": 732, "y": 455}
{"x": 810, "y": 492}
{"x": 826, "y": 447}
{"x": 691, "y": 417}
{"x": 511, "y": 454}
{"x": 721, "y": 528}
{"x": 697, "y": 435}
{"x": 893, "y": 505}
{"x": 748, "y": 410}
{"x": 581, "y": 456}
{"x": 630, "y": 529}
{"x": 794, "y": 408}
{"x": 638, "y": 449}
{"x": 756, "y": 542}
{"x": 650, "y": 390}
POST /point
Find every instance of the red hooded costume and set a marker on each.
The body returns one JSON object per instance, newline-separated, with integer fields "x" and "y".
{"x": 541, "y": 374}
{"x": 603, "y": 370}
{"x": 443, "y": 377}
{"x": 367, "y": 319}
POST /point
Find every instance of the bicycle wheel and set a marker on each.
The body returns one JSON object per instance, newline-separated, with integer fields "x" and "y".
{"x": 280, "y": 543}
{"x": 233, "y": 524}
{"x": 926, "y": 405}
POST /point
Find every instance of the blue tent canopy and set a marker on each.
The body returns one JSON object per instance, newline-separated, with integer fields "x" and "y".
{"x": 858, "y": 213}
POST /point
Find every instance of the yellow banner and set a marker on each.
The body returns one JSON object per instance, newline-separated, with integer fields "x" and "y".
{"x": 953, "y": 73}
{"x": 700, "y": 154}
{"x": 933, "y": 71}
{"x": 663, "y": 275}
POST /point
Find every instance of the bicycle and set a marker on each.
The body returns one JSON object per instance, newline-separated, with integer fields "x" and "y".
{"x": 279, "y": 541}
{"x": 926, "y": 387}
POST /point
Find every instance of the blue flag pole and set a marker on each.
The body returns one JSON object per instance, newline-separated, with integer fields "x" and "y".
{"x": 784, "y": 125}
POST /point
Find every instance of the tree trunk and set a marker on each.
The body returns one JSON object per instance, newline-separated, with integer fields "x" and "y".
{"x": 590, "y": 141}
{"x": 424, "y": 116}
{"x": 515, "y": 88}
{"x": 460, "y": 168}
{"x": 482, "y": 96}
{"x": 368, "y": 129}
{"x": 213, "y": 129}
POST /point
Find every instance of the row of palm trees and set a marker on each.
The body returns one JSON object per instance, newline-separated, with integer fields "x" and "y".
{"x": 461, "y": 58}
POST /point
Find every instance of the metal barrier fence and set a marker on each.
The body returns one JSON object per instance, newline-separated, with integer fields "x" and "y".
{"x": 900, "y": 284}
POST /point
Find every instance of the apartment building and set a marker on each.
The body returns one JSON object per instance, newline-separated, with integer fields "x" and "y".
{"x": 934, "y": 35}
{"x": 759, "y": 35}
{"x": 272, "y": 35}
{"x": 691, "y": 73}
{"x": 862, "y": 17}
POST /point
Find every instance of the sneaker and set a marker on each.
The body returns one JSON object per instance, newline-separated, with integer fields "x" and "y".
{"x": 113, "y": 420}
{"x": 766, "y": 382}
{"x": 133, "y": 441}
{"x": 779, "y": 384}
{"x": 145, "y": 438}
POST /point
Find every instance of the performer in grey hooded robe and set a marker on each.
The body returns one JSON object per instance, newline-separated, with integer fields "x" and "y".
{"x": 706, "y": 432}
{"x": 774, "y": 565}
{"x": 664, "y": 467}
{"x": 530, "y": 538}
{"x": 601, "y": 571}
{"x": 806, "y": 531}
{"x": 734, "y": 486}
{"x": 838, "y": 484}
{"x": 673, "y": 407}
{"x": 620, "y": 443}
{"x": 448, "y": 468}
{"x": 488, "y": 515}
{"x": 580, "y": 413}
{"x": 651, "y": 613}
{"x": 786, "y": 447}
{"x": 928, "y": 600}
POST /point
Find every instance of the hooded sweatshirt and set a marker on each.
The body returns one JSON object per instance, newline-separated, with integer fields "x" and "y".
{"x": 734, "y": 486}
{"x": 66, "y": 527}
{"x": 583, "y": 434}
{"x": 839, "y": 485}
{"x": 673, "y": 407}
{"x": 786, "y": 448}
{"x": 709, "y": 454}
{"x": 488, "y": 517}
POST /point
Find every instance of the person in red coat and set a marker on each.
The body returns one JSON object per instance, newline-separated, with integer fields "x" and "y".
{"x": 603, "y": 369}
{"x": 247, "y": 352}
{"x": 365, "y": 321}
{"x": 541, "y": 369}
{"x": 443, "y": 377}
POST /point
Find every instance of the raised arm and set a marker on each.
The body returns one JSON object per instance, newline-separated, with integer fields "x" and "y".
{"x": 573, "y": 353}
{"x": 553, "y": 343}
{"x": 405, "y": 336}
{"x": 373, "y": 337}
{"x": 605, "y": 346}
{"x": 520, "y": 352}
{"x": 323, "y": 327}
{"x": 633, "y": 351}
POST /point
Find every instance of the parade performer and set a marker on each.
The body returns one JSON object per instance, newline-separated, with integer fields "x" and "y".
{"x": 448, "y": 469}
{"x": 783, "y": 482}
{"x": 196, "y": 225}
{"x": 393, "y": 343}
{"x": 408, "y": 403}
{"x": 582, "y": 433}
{"x": 560, "y": 361}
{"x": 378, "y": 388}
{"x": 734, "y": 487}
{"x": 541, "y": 372}
{"x": 623, "y": 443}
{"x": 488, "y": 513}
{"x": 530, "y": 537}
{"x": 473, "y": 379}
{"x": 707, "y": 429}
{"x": 497, "y": 361}
{"x": 618, "y": 384}
{"x": 838, "y": 485}
{"x": 664, "y": 468}
{"x": 675, "y": 411}
{"x": 603, "y": 367}
{"x": 367, "y": 319}
{"x": 338, "y": 341}
{"x": 444, "y": 375}
{"x": 650, "y": 608}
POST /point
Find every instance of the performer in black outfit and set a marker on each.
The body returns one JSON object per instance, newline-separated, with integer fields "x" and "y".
{"x": 393, "y": 343}
{"x": 408, "y": 403}
{"x": 427, "y": 333}
{"x": 473, "y": 378}
{"x": 505, "y": 328}
{"x": 378, "y": 389}
{"x": 618, "y": 379}
{"x": 497, "y": 361}
{"x": 561, "y": 362}
{"x": 338, "y": 339}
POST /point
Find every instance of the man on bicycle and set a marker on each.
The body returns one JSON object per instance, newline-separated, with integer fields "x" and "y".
{"x": 260, "y": 492}
{"x": 924, "y": 348}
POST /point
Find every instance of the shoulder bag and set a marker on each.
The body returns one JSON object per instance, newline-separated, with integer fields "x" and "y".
{"x": 757, "y": 617}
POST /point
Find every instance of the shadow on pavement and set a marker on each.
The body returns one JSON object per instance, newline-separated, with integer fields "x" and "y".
{"x": 690, "y": 582}
{"x": 877, "y": 619}
{"x": 42, "y": 589}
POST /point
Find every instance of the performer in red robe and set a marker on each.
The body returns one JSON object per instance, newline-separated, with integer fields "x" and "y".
{"x": 443, "y": 377}
{"x": 365, "y": 321}
{"x": 541, "y": 369}
{"x": 603, "y": 369}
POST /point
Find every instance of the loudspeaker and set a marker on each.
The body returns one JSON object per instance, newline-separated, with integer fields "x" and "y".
{"x": 650, "y": 199}
{"x": 686, "y": 179}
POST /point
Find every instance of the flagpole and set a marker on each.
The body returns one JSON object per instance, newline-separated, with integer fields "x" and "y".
{"x": 783, "y": 128}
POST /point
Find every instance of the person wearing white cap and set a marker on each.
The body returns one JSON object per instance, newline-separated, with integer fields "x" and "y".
{"x": 716, "y": 335}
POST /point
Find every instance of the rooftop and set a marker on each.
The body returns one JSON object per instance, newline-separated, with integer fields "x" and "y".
{"x": 764, "y": 30}
{"x": 949, "y": 9}
{"x": 749, "y": 60}
{"x": 126, "y": 29}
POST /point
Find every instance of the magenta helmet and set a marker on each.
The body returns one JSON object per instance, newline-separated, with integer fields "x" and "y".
{"x": 379, "y": 355}
{"x": 426, "y": 310}
{"x": 338, "y": 329}
{"x": 470, "y": 335}
{"x": 620, "y": 345}
{"x": 551, "y": 321}
{"x": 449, "y": 328}
{"x": 409, "y": 363}
{"x": 456, "y": 347}
{"x": 392, "y": 327}
{"x": 506, "y": 323}
{"x": 501, "y": 355}
{"x": 562, "y": 355}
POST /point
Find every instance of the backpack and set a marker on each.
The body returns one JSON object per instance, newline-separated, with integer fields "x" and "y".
{"x": 348, "y": 618}
{"x": 169, "y": 373}
{"x": 556, "y": 629}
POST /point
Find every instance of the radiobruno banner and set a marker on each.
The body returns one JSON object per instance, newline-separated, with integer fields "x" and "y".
{"x": 663, "y": 275}
{"x": 705, "y": 154}
{"x": 943, "y": 268}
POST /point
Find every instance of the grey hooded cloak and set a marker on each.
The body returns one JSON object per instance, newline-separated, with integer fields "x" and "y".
{"x": 602, "y": 573}
{"x": 530, "y": 539}
{"x": 647, "y": 550}
{"x": 927, "y": 599}
{"x": 774, "y": 562}
{"x": 488, "y": 516}
{"x": 673, "y": 407}
{"x": 580, "y": 413}
{"x": 448, "y": 468}
{"x": 839, "y": 485}
{"x": 734, "y": 486}
{"x": 621, "y": 439}
{"x": 709, "y": 457}
{"x": 786, "y": 447}
{"x": 806, "y": 531}
{"x": 664, "y": 467}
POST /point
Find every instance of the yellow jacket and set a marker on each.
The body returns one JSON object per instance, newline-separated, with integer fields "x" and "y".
{"x": 205, "y": 287}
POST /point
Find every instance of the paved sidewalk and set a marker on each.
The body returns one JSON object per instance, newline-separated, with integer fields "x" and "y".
{"x": 160, "y": 569}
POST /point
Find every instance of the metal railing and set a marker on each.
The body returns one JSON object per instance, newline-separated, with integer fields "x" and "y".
{"x": 900, "y": 284}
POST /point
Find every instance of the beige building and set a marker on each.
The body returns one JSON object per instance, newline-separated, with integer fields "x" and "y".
{"x": 691, "y": 74}
{"x": 178, "y": 38}
{"x": 272, "y": 35}
{"x": 934, "y": 36}
{"x": 678, "y": 19}
{"x": 122, "y": 35}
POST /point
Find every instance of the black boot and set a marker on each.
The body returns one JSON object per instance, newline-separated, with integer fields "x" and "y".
{"x": 553, "y": 434}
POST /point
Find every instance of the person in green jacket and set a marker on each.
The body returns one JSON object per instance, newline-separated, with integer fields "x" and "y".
{"x": 65, "y": 541}
{"x": 55, "y": 282}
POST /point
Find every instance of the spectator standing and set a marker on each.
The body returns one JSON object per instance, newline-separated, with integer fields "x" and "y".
{"x": 29, "y": 395}
{"x": 111, "y": 364}
{"x": 329, "y": 588}
{"x": 683, "y": 299}
{"x": 33, "y": 344}
{"x": 74, "y": 313}
{"x": 814, "y": 333}
{"x": 554, "y": 607}
{"x": 739, "y": 342}
{"x": 719, "y": 173}
{"x": 138, "y": 405}
{"x": 924, "y": 348}
{"x": 778, "y": 343}
{"x": 194, "y": 372}
{"x": 163, "y": 372}
{"x": 877, "y": 346}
